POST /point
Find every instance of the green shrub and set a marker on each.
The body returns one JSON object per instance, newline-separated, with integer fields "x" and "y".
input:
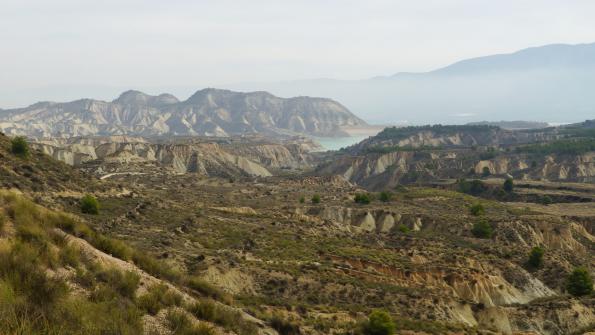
{"x": 477, "y": 209}
{"x": 385, "y": 196}
{"x": 158, "y": 297}
{"x": 546, "y": 200}
{"x": 302, "y": 199}
{"x": 316, "y": 199}
{"x": 69, "y": 255}
{"x": 536, "y": 257}
{"x": 579, "y": 282}
{"x": 223, "y": 316}
{"x": 474, "y": 187}
{"x": 485, "y": 171}
{"x": 362, "y": 198}
{"x": 89, "y": 205}
{"x": 19, "y": 146}
{"x": 379, "y": 323}
{"x": 508, "y": 185}
{"x": 179, "y": 323}
{"x": 284, "y": 327}
{"x": 482, "y": 229}
{"x": 403, "y": 228}
{"x": 113, "y": 247}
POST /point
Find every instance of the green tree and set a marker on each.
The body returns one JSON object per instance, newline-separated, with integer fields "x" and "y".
{"x": 362, "y": 198}
{"x": 485, "y": 171}
{"x": 482, "y": 229}
{"x": 316, "y": 199}
{"x": 477, "y": 209}
{"x": 89, "y": 205}
{"x": 536, "y": 257}
{"x": 379, "y": 323}
{"x": 385, "y": 196}
{"x": 579, "y": 282}
{"x": 19, "y": 146}
{"x": 508, "y": 185}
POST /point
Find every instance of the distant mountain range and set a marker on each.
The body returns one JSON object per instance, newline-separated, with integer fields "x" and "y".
{"x": 209, "y": 112}
{"x": 552, "y": 83}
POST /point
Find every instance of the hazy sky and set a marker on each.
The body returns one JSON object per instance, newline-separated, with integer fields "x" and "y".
{"x": 183, "y": 43}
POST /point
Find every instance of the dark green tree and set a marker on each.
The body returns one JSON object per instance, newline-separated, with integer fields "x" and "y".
{"x": 508, "y": 185}
{"x": 536, "y": 257}
{"x": 89, "y": 205}
{"x": 579, "y": 282}
{"x": 379, "y": 323}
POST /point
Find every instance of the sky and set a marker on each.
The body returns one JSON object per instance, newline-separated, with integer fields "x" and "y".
{"x": 60, "y": 49}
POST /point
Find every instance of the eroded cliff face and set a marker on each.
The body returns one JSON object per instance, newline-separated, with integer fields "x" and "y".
{"x": 205, "y": 158}
{"x": 209, "y": 112}
{"x": 386, "y": 170}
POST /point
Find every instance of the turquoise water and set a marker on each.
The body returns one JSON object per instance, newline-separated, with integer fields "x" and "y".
{"x": 336, "y": 143}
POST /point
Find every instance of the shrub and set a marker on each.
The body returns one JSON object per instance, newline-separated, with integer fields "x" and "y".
{"x": 362, "y": 198}
{"x": 302, "y": 199}
{"x": 579, "y": 282}
{"x": 206, "y": 288}
{"x": 403, "y": 228}
{"x": 225, "y": 317}
{"x": 158, "y": 297}
{"x": 19, "y": 146}
{"x": 508, "y": 185}
{"x": 179, "y": 323}
{"x": 125, "y": 283}
{"x": 284, "y": 327}
{"x": 113, "y": 247}
{"x": 379, "y": 323}
{"x": 477, "y": 209}
{"x": 316, "y": 199}
{"x": 89, "y": 205}
{"x": 546, "y": 200}
{"x": 385, "y": 196}
{"x": 536, "y": 257}
{"x": 482, "y": 229}
{"x": 69, "y": 255}
{"x": 474, "y": 187}
{"x": 485, "y": 171}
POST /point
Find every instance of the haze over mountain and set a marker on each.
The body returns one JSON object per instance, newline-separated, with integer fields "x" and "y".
{"x": 549, "y": 83}
{"x": 208, "y": 112}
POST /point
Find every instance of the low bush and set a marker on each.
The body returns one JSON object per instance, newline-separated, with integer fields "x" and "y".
{"x": 223, "y": 316}
{"x": 378, "y": 323}
{"x": 19, "y": 146}
{"x": 482, "y": 229}
{"x": 316, "y": 199}
{"x": 284, "y": 327}
{"x": 477, "y": 209}
{"x": 385, "y": 196}
{"x": 89, "y": 205}
{"x": 362, "y": 198}
{"x": 180, "y": 324}
{"x": 158, "y": 297}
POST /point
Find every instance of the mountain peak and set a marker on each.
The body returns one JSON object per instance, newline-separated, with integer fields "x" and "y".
{"x": 133, "y": 97}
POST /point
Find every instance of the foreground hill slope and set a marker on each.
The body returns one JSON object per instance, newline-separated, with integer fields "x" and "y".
{"x": 209, "y": 112}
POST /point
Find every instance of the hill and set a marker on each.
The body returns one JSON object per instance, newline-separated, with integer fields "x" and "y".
{"x": 209, "y": 112}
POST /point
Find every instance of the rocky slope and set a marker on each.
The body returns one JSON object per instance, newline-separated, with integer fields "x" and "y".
{"x": 232, "y": 157}
{"x": 209, "y": 112}
{"x": 442, "y": 152}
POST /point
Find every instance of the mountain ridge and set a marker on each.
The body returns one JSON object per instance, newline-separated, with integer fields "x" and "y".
{"x": 208, "y": 112}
